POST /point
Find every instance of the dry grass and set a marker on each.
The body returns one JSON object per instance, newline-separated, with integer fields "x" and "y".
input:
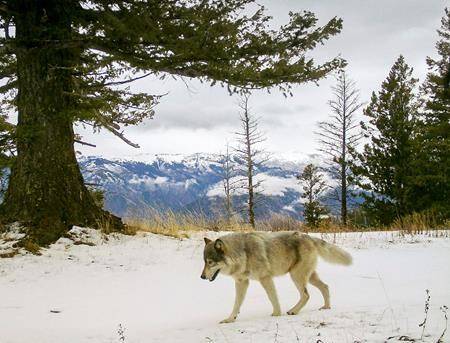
{"x": 178, "y": 225}
{"x": 278, "y": 222}
{"x": 332, "y": 226}
{"x": 30, "y": 246}
{"x": 104, "y": 226}
{"x": 9, "y": 253}
{"x": 429, "y": 222}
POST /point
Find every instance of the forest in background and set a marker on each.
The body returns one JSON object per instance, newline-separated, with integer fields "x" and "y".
{"x": 65, "y": 64}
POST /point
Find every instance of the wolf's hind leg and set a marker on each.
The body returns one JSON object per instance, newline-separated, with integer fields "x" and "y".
{"x": 323, "y": 288}
{"x": 300, "y": 280}
{"x": 241, "y": 290}
{"x": 271, "y": 291}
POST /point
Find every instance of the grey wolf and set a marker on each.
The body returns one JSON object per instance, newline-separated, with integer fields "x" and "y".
{"x": 262, "y": 256}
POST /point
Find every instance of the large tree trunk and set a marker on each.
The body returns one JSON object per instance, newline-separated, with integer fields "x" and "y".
{"x": 46, "y": 190}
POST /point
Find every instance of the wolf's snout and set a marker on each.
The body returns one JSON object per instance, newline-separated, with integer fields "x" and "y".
{"x": 203, "y": 276}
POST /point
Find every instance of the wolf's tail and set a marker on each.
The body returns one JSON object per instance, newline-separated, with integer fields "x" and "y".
{"x": 331, "y": 253}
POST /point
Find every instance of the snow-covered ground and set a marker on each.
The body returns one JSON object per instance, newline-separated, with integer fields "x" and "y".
{"x": 149, "y": 288}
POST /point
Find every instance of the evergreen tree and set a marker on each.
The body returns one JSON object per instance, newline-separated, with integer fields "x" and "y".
{"x": 67, "y": 62}
{"x": 313, "y": 188}
{"x": 432, "y": 161}
{"x": 384, "y": 166}
{"x": 339, "y": 136}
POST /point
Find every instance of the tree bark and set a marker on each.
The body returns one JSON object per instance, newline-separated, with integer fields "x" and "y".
{"x": 227, "y": 185}
{"x": 344, "y": 157}
{"x": 251, "y": 203}
{"x": 344, "y": 194}
{"x": 46, "y": 189}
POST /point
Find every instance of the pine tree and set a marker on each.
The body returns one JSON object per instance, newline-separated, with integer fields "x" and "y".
{"x": 339, "y": 136}
{"x": 432, "y": 160}
{"x": 384, "y": 166}
{"x": 313, "y": 188}
{"x": 67, "y": 62}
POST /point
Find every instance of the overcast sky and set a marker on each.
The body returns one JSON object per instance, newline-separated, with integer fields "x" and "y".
{"x": 203, "y": 118}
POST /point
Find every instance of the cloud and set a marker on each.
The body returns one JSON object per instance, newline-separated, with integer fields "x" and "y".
{"x": 202, "y": 118}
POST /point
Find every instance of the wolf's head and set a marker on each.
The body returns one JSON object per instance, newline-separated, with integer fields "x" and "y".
{"x": 214, "y": 257}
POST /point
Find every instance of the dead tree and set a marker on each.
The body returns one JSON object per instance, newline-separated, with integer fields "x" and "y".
{"x": 339, "y": 136}
{"x": 229, "y": 182}
{"x": 249, "y": 140}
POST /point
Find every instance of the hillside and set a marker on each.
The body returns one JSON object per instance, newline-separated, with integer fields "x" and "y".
{"x": 184, "y": 183}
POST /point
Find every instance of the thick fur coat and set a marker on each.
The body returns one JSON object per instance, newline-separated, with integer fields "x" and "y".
{"x": 262, "y": 256}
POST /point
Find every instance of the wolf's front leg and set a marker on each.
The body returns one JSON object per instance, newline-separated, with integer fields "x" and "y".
{"x": 269, "y": 286}
{"x": 241, "y": 290}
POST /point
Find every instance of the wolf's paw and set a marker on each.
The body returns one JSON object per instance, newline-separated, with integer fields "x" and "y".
{"x": 292, "y": 312}
{"x": 228, "y": 320}
{"x": 276, "y": 313}
{"x": 324, "y": 307}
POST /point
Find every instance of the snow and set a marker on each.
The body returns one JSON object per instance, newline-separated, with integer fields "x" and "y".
{"x": 149, "y": 181}
{"x": 9, "y": 239}
{"x": 270, "y": 185}
{"x": 114, "y": 168}
{"x": 294, "y": 160}
{"x": 198, "y": 160}
{"x": 217, "y": 188}
{"x": 150, "y": 285}
{"x": 190, "y": 182}
{"x": 152, "y": 182}
{"x": 291, "y": 160}
{"x": 274, "y": 185}
{"x": 289, "y": 208}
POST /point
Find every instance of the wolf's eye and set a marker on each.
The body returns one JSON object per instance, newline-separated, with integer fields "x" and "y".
{"x": 210, "y": 263}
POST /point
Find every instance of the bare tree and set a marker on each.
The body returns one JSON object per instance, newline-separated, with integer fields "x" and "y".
{"x": 249, "y": 140}
{"x": 339, "y": 136}
{"x": 229, "y": 182}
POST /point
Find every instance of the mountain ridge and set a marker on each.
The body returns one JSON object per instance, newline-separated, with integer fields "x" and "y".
{"x": 189, "y": 183}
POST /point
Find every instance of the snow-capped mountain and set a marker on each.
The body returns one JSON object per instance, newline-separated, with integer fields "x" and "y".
{"x": 190, "y": 183}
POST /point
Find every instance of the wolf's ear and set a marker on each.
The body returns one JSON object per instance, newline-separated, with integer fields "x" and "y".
{"x": 207, "y": 240}
{"x": 219, "y": 245}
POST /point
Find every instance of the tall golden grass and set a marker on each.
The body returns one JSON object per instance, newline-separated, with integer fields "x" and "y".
{"x": 180, "y": 225}
{"x": 421, "y": 222}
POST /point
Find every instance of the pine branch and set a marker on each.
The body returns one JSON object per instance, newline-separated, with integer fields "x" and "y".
{"x": 84, "y": 143}
{"x": 117, "y": 83}
{"x": 121, "y": 136}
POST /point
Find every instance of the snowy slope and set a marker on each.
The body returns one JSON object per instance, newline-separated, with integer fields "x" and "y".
{"x": 191, "y": 183}
{"x": 151, "y": 286}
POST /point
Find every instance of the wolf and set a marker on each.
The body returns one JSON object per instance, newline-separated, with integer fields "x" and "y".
{"x": 262, "y": 256}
